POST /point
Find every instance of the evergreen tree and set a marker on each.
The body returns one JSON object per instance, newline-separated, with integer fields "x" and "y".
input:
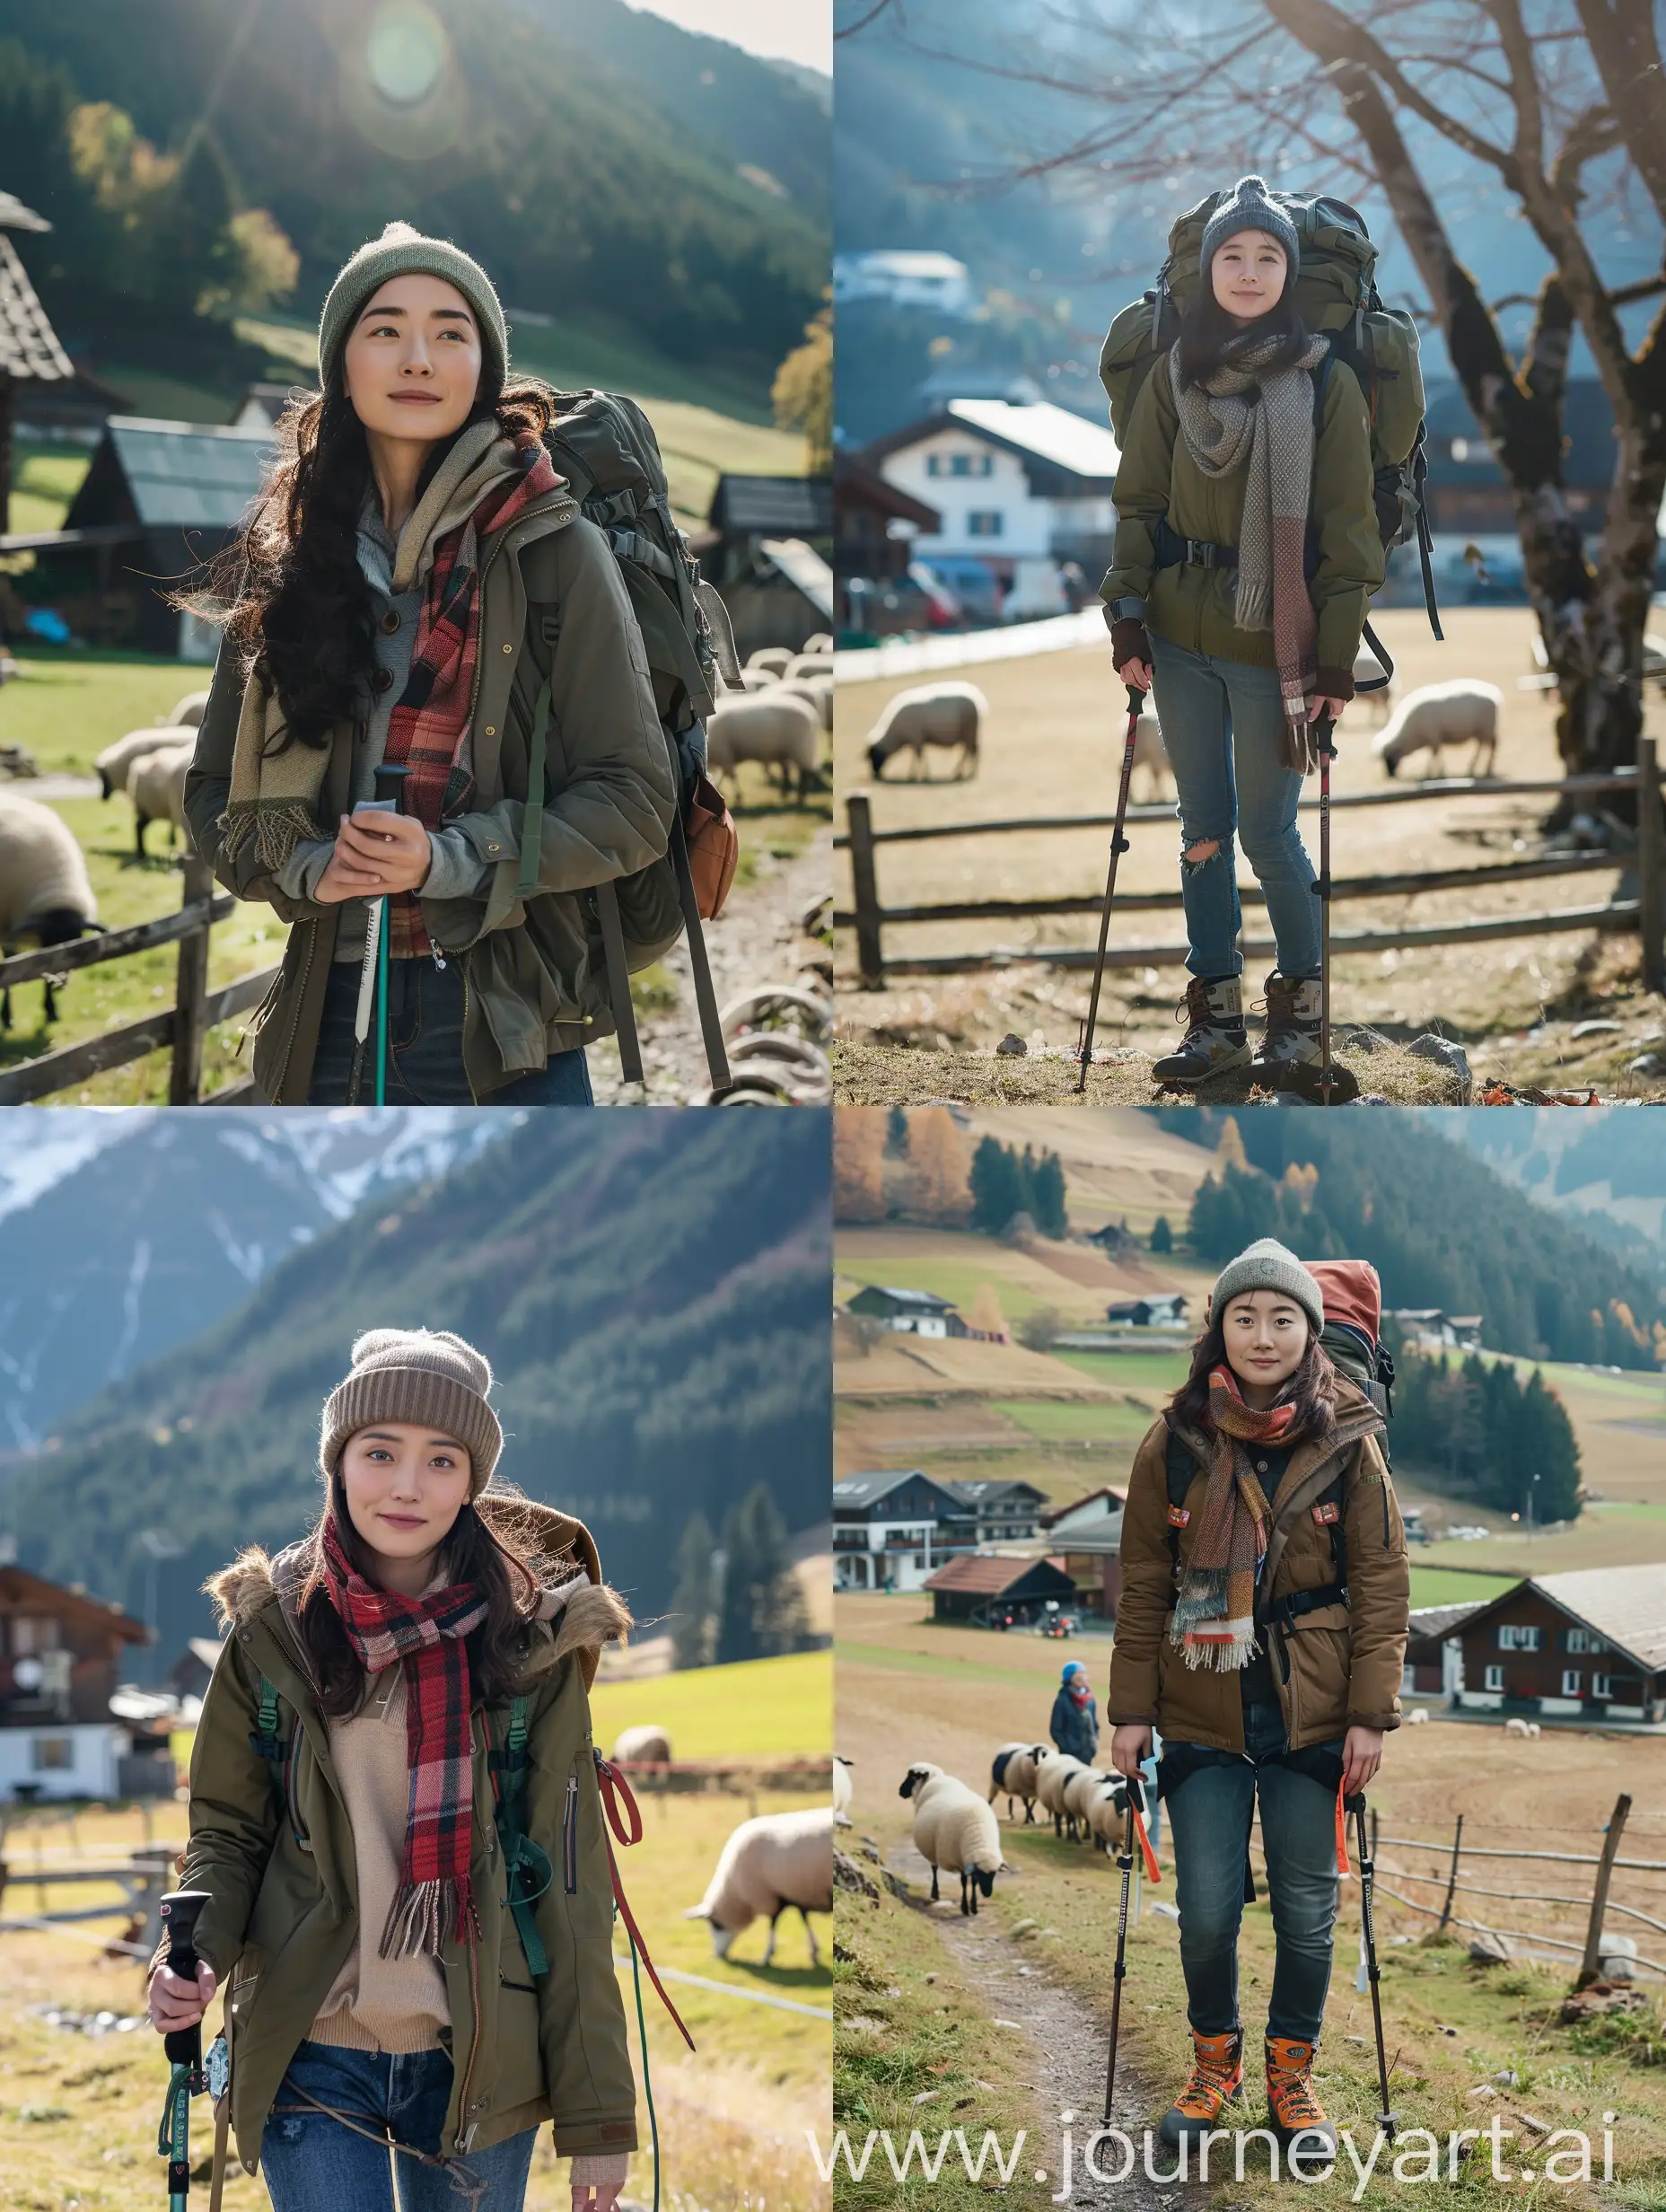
{"x": 858, "y": 1150}
{"x": 1161, "y": 1235}
{"x": 896, "y": 1135}
{"x": 937, "y": 1154}
{"x": 1047, "y": 1184}
{"x": 695, "y": 1599}
{"x": 762, "y": 1612}
{"x": 996, "y": 1193}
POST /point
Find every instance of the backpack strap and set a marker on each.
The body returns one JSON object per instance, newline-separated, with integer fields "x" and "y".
{"x": 278, "y": 1754}
{"x": 532, "y": 815}
{"x": 618, "y": 980}
{"x": 526, "y": 1864}
{"x": 1179, "y": 1468}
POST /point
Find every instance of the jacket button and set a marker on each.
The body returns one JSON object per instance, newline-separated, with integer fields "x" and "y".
{"x": 1260, "y": 1467}
{"x": 491, "y": 730}
{"x": 384, "y": 680}
{"x": 493, "y": 848}
{"x": 390, "y": 621}
{"x": 509, "y": 648}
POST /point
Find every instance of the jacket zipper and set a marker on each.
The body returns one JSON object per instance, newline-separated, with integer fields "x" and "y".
{"x": 569, "y": 1838}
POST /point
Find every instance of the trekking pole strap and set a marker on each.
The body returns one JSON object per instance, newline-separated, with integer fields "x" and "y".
{"x": 610, "y": 1780}
{"x": 1343, "y": 1868}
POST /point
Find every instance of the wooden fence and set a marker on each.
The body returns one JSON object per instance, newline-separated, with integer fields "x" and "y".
{"x": 180, "y": 1027}
{"x": 1646, "y": 913}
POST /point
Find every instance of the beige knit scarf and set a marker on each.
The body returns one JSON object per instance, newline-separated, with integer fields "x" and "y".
{"x": 1270, "y": 435}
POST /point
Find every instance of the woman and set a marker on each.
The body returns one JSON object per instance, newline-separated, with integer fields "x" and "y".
{"x": 381, "y": 1989}
{"x": 1223, "y": 486}
{"x": 1266, "y": 1651}
{"x": 1074, "y": 1723}
{"x": 412, "y": 575}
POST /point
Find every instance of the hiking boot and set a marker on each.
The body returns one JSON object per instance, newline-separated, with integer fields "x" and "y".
{"x": 1214, "y": 1038}
{"x": 1286, "y": 1055}
{"x": 1217, "y": 2074}
{"x": 1291, "y": 2108}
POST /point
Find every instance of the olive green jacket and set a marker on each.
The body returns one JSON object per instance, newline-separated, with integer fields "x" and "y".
{"x": 283, "y": 1888}
{"x": 552, "y": 603}
{"x": 1193, "y": 606}
{"x": 1335, "y": 1667}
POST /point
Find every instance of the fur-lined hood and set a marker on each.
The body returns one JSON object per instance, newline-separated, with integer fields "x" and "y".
{"x": 585, "y": 1612}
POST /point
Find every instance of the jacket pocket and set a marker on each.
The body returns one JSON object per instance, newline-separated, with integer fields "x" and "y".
{"x": 1314, "y": 1662}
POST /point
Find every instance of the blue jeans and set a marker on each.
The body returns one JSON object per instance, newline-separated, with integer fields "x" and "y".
{"x": 1223, "y": 724}
{"x": 310, "y": 2162}
{"x": 425, "y": 1046}
{"x": 1209, "y": 1819}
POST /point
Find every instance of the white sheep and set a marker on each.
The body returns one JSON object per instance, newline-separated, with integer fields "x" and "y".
{"x": 821, "y": 642}
{"x": 1013, "y": 1771}
{"x": 955, "y": 1831}
{"x": 186, "y": 713}
{"x": 1367, "y": 668}
{"x": 1151, "y": 754}
{"x": 44, "y": 890}
{"x": 776, "y": 1861}
{"x": 929, "y": 713}
{"x": 1517, "y": 1727}
{"x": 1078, "y": 1795}
{"x": 816, "y": 691}
{"x": 770, "y": 660}
{"x": 1417, "y": 1717}
{"x": 1054, "y": 1769}
{"x": 1462, "y": 712}
{"x": 156, "y": 785}
{"x": 803, "y": 667}
{"x": 113, "y": 763}
{"x": 773, "y": 729}
{"x": 1108, "y": 1815}
{"x": 841, "y": 1792}
{"x": 643, "y": 1746}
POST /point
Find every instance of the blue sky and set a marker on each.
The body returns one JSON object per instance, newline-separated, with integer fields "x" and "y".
{"x": 799, "y": 31}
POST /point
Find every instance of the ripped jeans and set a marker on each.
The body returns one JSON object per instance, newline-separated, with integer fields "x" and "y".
{"x": 1223, "y": 724}
{"x": 311, "y": 2163}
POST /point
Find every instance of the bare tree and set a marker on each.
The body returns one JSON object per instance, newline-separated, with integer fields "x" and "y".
{"x": 1536, "y": 107}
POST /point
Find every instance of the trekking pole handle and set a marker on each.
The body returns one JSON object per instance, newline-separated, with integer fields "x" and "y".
{"x": 1324, "y": 730}
{"x": 180, "y": 1910}
{"x": 1136, "y": 700}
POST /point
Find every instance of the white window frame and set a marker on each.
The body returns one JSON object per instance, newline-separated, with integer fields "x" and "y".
{"x": 992, "y": 516}
{"x": 40, "y": 1746}
{"x": 1519, "y": 1636}
{"x": 1602, "y": 1686}
{"x": 1495, "y": 1677}
{"x": 1572, "y": 1681}
{"x": 1584, "y": 1640}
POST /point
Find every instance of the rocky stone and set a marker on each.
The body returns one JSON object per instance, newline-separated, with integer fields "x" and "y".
{"x": 1445, "y": 1052}
{"x": 1012, "y": 1047}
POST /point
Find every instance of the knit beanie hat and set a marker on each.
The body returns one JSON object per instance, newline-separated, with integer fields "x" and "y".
{"x": 426, "y": 1376}
{"x": 403, "y": 251}
{"x": 1246, "y": 207}
{"x": 1268, "y": 1264}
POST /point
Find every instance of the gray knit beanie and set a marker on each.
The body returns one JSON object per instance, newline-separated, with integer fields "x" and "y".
{"x": 1247, "y": 208}
{"x": 426, "y": 1376}
{"x": 1268, "y": 1264}
{"x": 402, "y": 251}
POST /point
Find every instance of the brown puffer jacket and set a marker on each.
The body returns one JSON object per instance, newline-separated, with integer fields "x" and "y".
{"x": 1336, "y": 1667}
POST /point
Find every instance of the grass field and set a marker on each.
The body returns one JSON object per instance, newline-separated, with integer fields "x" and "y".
{"x": 753, "y": 1710}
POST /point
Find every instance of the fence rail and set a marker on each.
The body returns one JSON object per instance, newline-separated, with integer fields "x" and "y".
{"x": 1646, "y": 913}
{"x": 183, "y": 1027}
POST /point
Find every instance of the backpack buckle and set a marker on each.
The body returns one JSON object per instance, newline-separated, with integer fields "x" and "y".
{"x": 1179, "y": 1516}
{"x": 1326, "y": 1513}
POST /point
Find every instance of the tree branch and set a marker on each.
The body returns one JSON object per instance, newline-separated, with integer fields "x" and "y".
{"x": 1623, "y": 46}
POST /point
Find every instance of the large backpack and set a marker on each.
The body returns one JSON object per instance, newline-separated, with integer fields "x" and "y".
{"x": 1336, "y": 292}
{"x": 604, "y": 445}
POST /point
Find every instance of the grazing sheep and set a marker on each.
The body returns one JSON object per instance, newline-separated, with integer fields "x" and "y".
{"x": 841, "y": 1792}
{"x": 1367, "y": 668}
{"x": 44, "y": 892}
{"x": 770, "y": 660}
{"x": 1053, "y": 1770}
{"x": 821, "y": 642}
{"x": 644, "y": 1746}
{"x": 816, "y": 691}
{"x": 1014, "y": 1770}
{"x": 778, "y": 730}
{"x": 156, "y": 785}
{"x": 776, "y": 1861}
{"x": 1462, "y": 712}
{"x": 1108, "y": 1815}
{"x": 1514, "y": 1727}
{"x": 188, "y": 713}
{"x": 1077, "y": 1797}
{"x": 930, "y": 714}
{"x": 1417, "y": 1716}
{"x": 113, "y": 763}
{"x": 804, "y": 667}
{"x": 953, "y": 1831}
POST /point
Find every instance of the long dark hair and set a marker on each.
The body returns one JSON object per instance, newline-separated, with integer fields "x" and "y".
{"x": 472, "y": 1552}
{"x": 288, "y": 590}
{"x": 1210, "y": 338}
{"x": 1312, "y": 1390}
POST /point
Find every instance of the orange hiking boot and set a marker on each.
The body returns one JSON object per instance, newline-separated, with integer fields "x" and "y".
{"x": 1217, "y": 2074}
{"x": 1293, "y": 2109}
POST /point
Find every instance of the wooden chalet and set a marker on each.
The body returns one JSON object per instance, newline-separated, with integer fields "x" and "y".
{"x": 60, "y": 1664}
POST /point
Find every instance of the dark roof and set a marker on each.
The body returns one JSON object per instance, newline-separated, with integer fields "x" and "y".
{"x": 30, "y": 352}
{"x": 994, "y": 1573}
{"x": 773, "y": 506}
{"x": 1626, "y": 1605}
{"x": 15, "y": 216}
{"x": 1106, "y": 1489}
{"x": 922, "y": 1300}
{"x": 856, "y": 1490}
{"x": 167, "y": 475}
{"x": 980, "y": 1493}
{"x": 1587, "y": 427}
{"x": 856, "y": 484}
{"x": 1440, "y": 1620}
{"x": 19, "y": 1589}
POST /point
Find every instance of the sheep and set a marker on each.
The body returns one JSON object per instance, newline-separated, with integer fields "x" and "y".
{"x": 1014, "y": 1770}
{"x": 930, "y": 714}
{"x": 1053, "y": 1770}
{"x": 821, "y": 642}
{"x": 1514, "y": 1727}
{"x": 1437, "y": 715}
{"x": 816, "y": 691}
{"x": 780, "y": 732}
{"x": 1151, "y": 754}
{"x": 1417, "y": 1717}
{"x": 953, "y": 1830}
{"x": 770, "y": 660}
{"x": 1108, "y": 1815}
{"x": 113, "y": 763}
{"x": 1078, "y": 1795}
{"x": 1367, "y": 668}
{"x": 188, "y": 713}
{"x": 841, "y": 1792}
{"x": 44, "y": 890}
{"x": 644, "y": 1746}
{"x": 156, "y": 785}
{"x": 776, "y": 1861}
{"x": 805, "y": 667}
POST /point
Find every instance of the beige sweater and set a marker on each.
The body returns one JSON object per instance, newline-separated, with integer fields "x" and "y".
{"x": 393, "y": 2004}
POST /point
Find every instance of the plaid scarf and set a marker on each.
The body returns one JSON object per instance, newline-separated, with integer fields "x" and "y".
{"x": 1214, "y": 1618}
{"x": 434, "y": 1900}
{"x": 1270, "y": 435}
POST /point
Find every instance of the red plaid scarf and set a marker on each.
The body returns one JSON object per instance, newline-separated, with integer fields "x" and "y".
{"x": 430, "y": 723}
{"x": 1214, "y": 1615}
{"x": 435, "y": 1898}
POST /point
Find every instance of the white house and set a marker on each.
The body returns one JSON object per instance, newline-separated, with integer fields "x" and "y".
{"x": 935, "y": 281}
{"x": 1010, "y": 481}
{"x": 75, "y": 1759}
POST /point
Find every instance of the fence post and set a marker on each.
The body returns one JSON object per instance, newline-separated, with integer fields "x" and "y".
{"x": 1651, "y": 867}
{"x": 1452, "y": 1880}
{"x": 870, "y": 954}
{"x": 1588, "y": 1970}
{"x": 185, "y": 1081}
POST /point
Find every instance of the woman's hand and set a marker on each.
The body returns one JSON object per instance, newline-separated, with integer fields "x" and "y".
{"x": 176, "y": 2003}
{"x": 1128, "y": 1746}
{"x": 394, "y": 847}
{"x": 1332, "y": 708}
{"x": 1362, "y": 1755}
{"x": 1135, "y": 674}
{"x": 596, "y": 2196}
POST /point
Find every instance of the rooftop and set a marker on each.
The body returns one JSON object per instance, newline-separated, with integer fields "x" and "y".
{"x": 30, "y": 352}
{"x": 986, "y": 1573}
{"x": 176, "y": 474}
{"x": 1051, "y": 432}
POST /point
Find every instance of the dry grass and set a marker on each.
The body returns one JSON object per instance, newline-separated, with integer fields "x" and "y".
{"x": 867, "y": 1072}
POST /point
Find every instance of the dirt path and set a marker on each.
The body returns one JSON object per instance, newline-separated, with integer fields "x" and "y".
{"x": 1067, "y": 2043}
{"x": 759, "y": 939}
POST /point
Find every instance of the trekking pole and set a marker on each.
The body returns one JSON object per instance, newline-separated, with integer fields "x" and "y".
{"x": 1134, "y": 1828}
{"x": 1118, "y": 846}
{"x": 389, "y": 782}
{"x": 1367, "y": 1880}
{"x": 1327, "y": 752}
{"x": 183, "y": 2045}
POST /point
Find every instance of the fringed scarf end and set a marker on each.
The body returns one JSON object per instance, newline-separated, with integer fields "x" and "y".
{"x": 272, "y": 826}
{"x": 425, "y": 1916}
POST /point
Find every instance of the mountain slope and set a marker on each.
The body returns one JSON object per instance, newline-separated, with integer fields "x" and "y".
{"x": 651, "y": 1290}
